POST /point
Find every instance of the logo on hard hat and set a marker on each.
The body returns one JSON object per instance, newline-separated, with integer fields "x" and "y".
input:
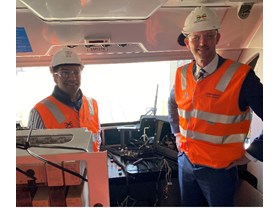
{"x": 200, "y": 18}
{"x": 68, "y": 53}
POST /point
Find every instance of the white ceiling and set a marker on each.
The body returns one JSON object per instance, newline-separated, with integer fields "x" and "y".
{"x": 128, "y": 39}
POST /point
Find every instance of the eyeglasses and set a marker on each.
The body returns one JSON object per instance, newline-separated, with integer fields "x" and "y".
{"x": 207, "y": 37}
{"x": 66, "y": 74}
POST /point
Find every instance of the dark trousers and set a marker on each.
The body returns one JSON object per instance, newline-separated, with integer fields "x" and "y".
{"x": 200, "y": 185}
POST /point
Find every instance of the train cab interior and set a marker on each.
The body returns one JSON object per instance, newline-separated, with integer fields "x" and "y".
{"x": 130, "y": 52}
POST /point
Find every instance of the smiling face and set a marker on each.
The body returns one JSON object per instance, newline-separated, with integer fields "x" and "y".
{"x": 202, "y": 45}
{"x": 68, "y": 79}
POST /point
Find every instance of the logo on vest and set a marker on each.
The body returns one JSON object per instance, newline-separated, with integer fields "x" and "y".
{"x": 212, "y": 95}
{"x": 68, "y": 124}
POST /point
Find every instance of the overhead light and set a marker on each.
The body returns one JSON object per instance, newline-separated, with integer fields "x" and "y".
{"x": 71, "y": 10}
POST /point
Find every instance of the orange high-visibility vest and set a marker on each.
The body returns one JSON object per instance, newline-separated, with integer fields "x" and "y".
{"x": 212, "y": 127}
{"x": 55, "y": 114}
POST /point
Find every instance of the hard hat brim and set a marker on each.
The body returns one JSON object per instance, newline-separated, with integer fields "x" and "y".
{"x": 181, "y": 39}
{"x": 66, "y": 63}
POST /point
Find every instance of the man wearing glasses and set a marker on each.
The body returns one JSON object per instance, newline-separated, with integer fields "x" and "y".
{"x": 209, "y": 113}
{"x": 67, "y": 107}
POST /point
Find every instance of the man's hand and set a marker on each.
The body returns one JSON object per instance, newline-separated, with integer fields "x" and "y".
{"x": 178, "y": 143}
{"x": 242, "y": 161}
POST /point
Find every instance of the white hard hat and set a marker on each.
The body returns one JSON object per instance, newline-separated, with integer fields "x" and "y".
{"x": 65, "y": 56}
{"x": 200, "y": 19}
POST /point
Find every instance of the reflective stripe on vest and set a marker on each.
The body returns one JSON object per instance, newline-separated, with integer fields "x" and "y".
{"x": 58, "y": 114}
{"x": 94, "y": 137}
{"x": 54, "y": 110}
{"x": 212, "y": 117}
{"x": 90, "y": 106}
{"x": 212, "y": 138}
{"x": 183, "y": 78}
{"x": 224, "y": 81}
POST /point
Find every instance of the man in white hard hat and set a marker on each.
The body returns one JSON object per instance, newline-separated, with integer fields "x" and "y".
{"x": 209, "y": 113}
{"x": 67, "y": 107}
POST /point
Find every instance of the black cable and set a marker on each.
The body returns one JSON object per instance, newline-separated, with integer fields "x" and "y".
{"x": 51, "y": 147}
{"x": 162, "y": 167}
{"x": 27, "y": 145}
{"x": 119, "y": 163}
{"x": 27, "y": 142}
{"x": 60, "y": 147}
{"x": 55, "y": 165}
{"x": 51, "y": 163}
{"x": 26, "y": 173}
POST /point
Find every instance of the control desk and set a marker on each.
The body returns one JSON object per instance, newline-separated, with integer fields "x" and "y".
{"x": 145, "y": 179}
{"x": 142, "y": 163}
{"x": 141, "y": 167}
